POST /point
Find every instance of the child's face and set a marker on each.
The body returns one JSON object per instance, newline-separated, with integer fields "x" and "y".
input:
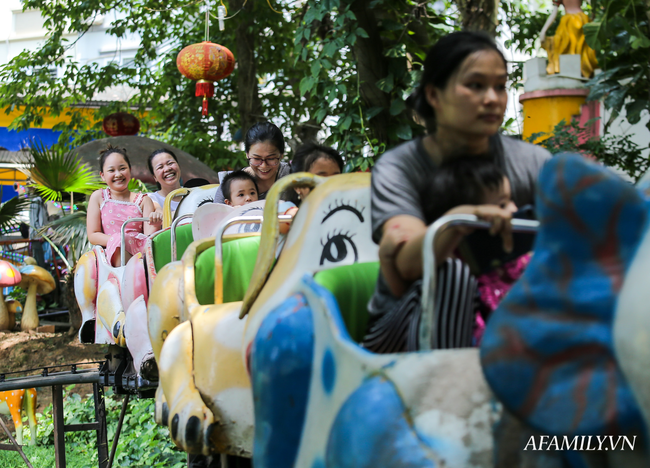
{"x": 501, "y": 197}
{"x": 116, "y": 172}
{"x": 241, "y": 193}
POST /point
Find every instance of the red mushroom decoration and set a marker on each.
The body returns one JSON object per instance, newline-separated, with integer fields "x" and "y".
{"x": 205, "y": 62}
{"x": 9, "y": 276}
{"x": 121, "y": 124}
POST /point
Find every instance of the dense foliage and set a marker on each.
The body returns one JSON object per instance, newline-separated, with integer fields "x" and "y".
{"x": 336, "y": 68}
{"x": 620, "y": 35}
{"x": 616, "y": 151}
{"x": 142, "y": 442}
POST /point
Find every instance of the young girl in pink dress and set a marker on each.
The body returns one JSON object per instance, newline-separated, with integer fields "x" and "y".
{"x": 110, "y": 207}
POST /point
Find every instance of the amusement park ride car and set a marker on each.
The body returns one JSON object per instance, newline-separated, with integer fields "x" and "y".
{"x": 258, "y": 350}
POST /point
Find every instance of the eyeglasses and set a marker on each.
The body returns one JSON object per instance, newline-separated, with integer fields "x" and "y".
{"x": 258, "y": 161}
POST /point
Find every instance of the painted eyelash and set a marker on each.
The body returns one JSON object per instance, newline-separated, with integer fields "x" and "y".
{"x": 205, "y": 201}
{"x": 331, "y": 235}
{"x": 340, "y": 205}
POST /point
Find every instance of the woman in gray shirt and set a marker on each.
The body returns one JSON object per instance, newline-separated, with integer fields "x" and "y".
{"x": 463, "y": 96}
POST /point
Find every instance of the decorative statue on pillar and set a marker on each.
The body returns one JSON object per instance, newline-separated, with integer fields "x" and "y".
{"x": 569, "y": 38}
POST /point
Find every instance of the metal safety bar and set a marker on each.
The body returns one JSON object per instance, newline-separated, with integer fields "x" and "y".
{"x": 428, "y": 319}
{"x": 122, "y": 237}
{"x": 173, "y": 234}
{"x": 218, "y": 248}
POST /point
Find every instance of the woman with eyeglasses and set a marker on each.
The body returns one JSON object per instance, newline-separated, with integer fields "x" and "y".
{"x": 264, "y": 145}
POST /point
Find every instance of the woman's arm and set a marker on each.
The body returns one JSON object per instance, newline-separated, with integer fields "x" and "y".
{"x": 96, "y": 235}
{"x": 402, "y": 242}
{"x": 400, "y": 251}
{"x": 155, "y": 216}
{"x": 156, "y": 206}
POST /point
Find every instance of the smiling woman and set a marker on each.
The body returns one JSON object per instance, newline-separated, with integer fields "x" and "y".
{"x": 264, "y": 146}
{"x": 164, "y": 167}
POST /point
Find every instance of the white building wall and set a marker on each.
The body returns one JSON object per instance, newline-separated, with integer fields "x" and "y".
{"x": 21, "y": 31}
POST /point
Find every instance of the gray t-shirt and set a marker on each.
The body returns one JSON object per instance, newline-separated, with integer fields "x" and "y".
{"x": 401, "y": 185}
{"x": 283, "y": 170}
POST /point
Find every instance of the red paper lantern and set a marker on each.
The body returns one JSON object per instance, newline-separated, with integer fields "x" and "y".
{"x": 120, "y": 124}
{"x": 205, "y": 62}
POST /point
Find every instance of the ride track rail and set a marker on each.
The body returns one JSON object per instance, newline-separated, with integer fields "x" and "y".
{"x": 101, "y": 375}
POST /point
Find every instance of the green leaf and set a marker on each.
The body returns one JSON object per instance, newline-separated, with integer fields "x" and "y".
{"x": 592, "y": 31}
{"x": 10, "y": 212}
{"x": 386, "y": 84}
{"x": 321, "y": 114}
{"x": 315, "y": 68}
{"x": 397, "y": 106}
{"x": 306, "y": 84}
{"x": 346, "y": 123}
{"x": 404, "y": 132}
{"x": 640, "y": 42}
{"x": 373, "y": 111}
{"x": 633, "y": 110}
{"x": 56, "y": 171}
{"x": 615, "y": 99}
{"x": 361, "y": 33}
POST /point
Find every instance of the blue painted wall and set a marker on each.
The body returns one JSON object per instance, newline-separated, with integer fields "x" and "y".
{"x": 15, "y": 141}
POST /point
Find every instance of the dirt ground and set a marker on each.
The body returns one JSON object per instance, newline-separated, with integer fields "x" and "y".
{"x": 22, "y": 350}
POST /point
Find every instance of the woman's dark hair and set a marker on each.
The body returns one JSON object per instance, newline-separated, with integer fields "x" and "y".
{"x": 464, "y": 181}
{"x": 308, "y": 153}
{"x": 444, "y": 58}
{"x": 156, "y": 153}
{"x": 236, "y": 175}
{"x": 110, "y": 149}
{"x": 196, "y": 182}
{"x": 264, "y": 131}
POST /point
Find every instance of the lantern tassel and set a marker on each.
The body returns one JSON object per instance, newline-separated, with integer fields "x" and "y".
{"x": 204, "y": 111}
{"x": 204, "y": 88}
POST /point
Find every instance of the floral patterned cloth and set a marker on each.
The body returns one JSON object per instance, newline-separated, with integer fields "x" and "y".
{"x": 113, "y": 214}
{"x": 492, "y": 288}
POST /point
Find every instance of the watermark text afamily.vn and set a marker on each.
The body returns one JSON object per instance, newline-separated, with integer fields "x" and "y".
{"x": 580, "y": 443}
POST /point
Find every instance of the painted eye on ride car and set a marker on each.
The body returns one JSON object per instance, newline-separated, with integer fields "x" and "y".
{"x": 341, "y": 220}
{"x": 339, "y": 247}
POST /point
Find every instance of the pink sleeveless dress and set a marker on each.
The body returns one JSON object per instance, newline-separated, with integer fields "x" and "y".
{"x": 113, "y": 214}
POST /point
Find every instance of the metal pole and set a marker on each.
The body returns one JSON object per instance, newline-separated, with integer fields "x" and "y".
{"x": 173, "y": 234}
{"x": 119, "y": 429}
{"x": 59, "y": 426}
{"x": 13, "y": 441}
{"x": 122, "y": 239}
{"x": 100, "y": 416}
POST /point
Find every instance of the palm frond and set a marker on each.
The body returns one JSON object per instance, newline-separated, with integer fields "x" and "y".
{"x": 136, "y": 185}
{"x": 56, "y": 171}
{"x": 70, "y": 230}
{"x": 10, "y": 210}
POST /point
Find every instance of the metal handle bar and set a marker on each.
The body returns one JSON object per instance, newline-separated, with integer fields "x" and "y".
{"x": 427, "y": 321}
{"x": 173, "y": 233}
{"x": 218, "y": 248}
{"x": 122, "y": 238}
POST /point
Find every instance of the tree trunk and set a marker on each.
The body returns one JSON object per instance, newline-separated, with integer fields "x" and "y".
{"x": 479, "y": 15}
{"x": 249, "y": 103}
{"x": 372, "y": 66}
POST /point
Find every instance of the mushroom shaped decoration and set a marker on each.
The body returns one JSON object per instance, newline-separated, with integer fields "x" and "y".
{"x": 14, "y": 307}
{"x": 9, "y": 276}
{"x": 35, "y": 280}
